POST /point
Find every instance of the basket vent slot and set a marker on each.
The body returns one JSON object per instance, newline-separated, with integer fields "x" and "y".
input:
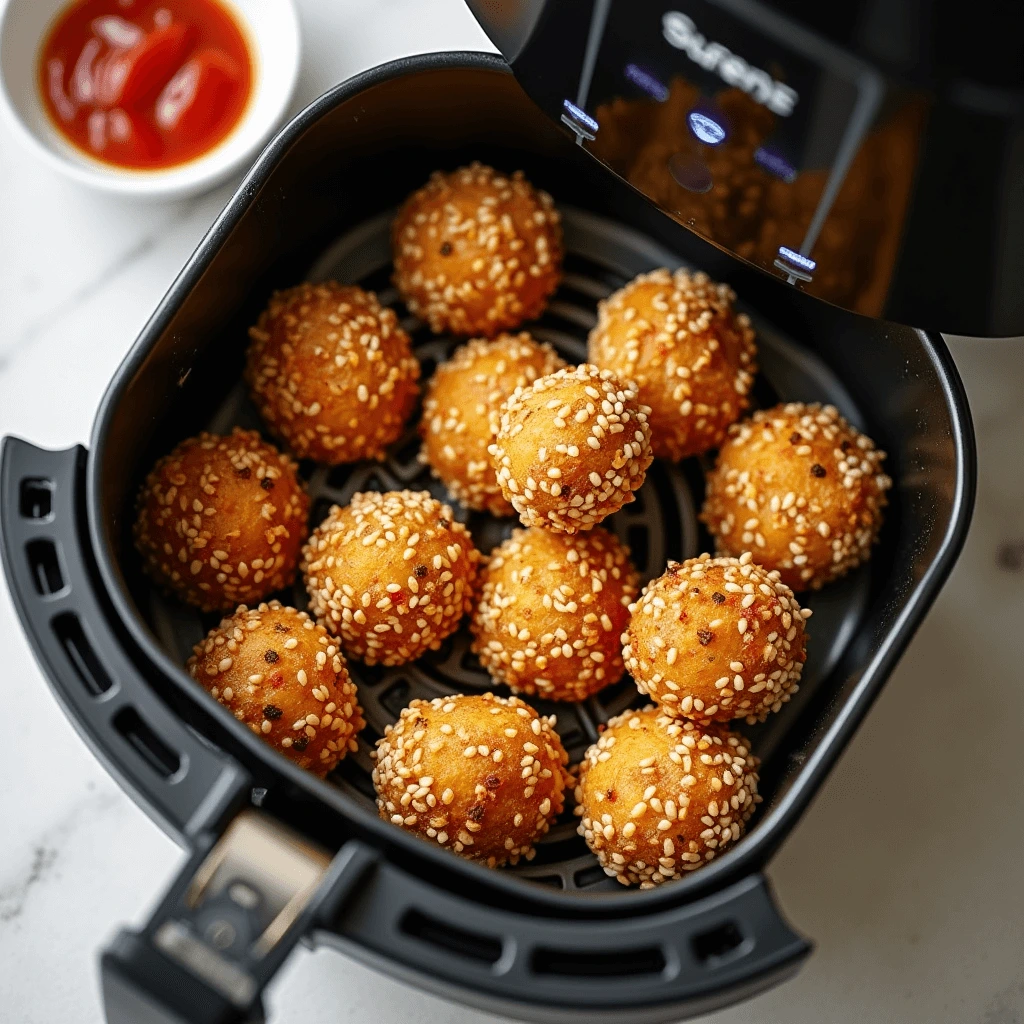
{"x": 160, "y": 757}
{"x": 590, "y": 875}
{"x": 36, "y": 499}
{"x": 396, "y": 696}
{"x": 472, "y": 945}
{"x": 587, "y": 963}
{"x": 637, "y": 538}
{"x": 45, "y": 566}
{"x": 80, "y": 653}
{"x": 723, "y": 942}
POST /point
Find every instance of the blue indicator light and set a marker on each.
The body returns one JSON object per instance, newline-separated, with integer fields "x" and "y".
{"x": 797, "y": 259}
{"x": 707, "y": 129}
{"x": 775, "y": 164}
{"x": 581, "y": 117}
{"x": 647, "y": 82}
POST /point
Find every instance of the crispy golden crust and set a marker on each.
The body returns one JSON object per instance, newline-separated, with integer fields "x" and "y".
{"x": 331, "y": 372}
{"x": 282, "y": 675}
{"x": 801, "y": 489}
{"x": 717, "y": 638}
{"x": 221, "y": 520}
{"x": 391, "y": 574}
{"x": 477, "y": 252}
{"x": 552, "y": 608}
{"x": 659, "y": 797}
{"x": 461, "y": 412}
{"x": 572, "y": 448}
{"x": 690, "y": 354}
{"x": 481, "y": 775}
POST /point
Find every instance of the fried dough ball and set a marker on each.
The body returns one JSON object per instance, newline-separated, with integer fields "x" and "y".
{"x": 461, "y": 412}
{"x": 477, "y": 251}
{"x": 282, "y": 675}
{"x": 221, "y": 520}
{"x": 481, "y": 775}
{"x": 717, "y": 638}
{"x": 331, "y": 372}
{"x": 572, "y": 448}
{"x": 391, "y": 574}
{"x": 691, "y": 355}
{"x": 552, "y": 609}
{"x": 801, "y": 489}
{"x": 659, "y": 797}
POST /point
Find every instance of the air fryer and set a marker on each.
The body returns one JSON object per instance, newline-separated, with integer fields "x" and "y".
{"x": 276, "y": 855}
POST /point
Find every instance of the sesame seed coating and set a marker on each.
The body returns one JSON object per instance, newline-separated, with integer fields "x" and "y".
{"x": 282, "y": 675}
{"x": 476, "y": 251}
{"x": 801, "y": 489}
{"x": 691, "y": 355}
{"x": 221, "y": 520}
{"x": 331, "y": 372}
{"x": 659, "y": 797}
{"x": 571, "y": 448}
{"x": 480, "y": 775}
{"x": 551, "y": 611}
{"x": 391, "y": 574}
{"x": 461, "y": 412}
{"x": 714, "y": 639}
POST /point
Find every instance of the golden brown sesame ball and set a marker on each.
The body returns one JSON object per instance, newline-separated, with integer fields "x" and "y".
{"x": 391, "y": 574}
{"x": 477, "y": 251}
{"x": 221, "y": 520}
{"x": 331, "y": 372}
{"x": 717, "y": 638}
{"x": 461, "y": 412}
{"x": 801, "y": 489}
{"x": 691, "y": 355}
{"x": 282, "y": 675}
{"x": 552, "y": 609}
{"x": 660, "y": 796}
{"x": 481, "y": 775}
{"x": 572, "y": 448}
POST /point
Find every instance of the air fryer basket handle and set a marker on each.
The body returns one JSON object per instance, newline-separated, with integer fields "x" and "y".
{"x": 662, "y": 966}
{"x": 185, "y": 784}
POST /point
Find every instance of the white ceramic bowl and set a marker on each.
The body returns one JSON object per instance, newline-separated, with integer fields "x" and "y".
{"x": 271, "y": 28}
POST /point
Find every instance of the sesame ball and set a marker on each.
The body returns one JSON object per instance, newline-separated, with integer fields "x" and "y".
{"x": 477, "y": 251}
{"x": 552, "y": 609}
{"x": 659, "y": 796}
{"x": 717, "y": 638}
{"x": 391, "y": 574}
{"x": 801, "y": 489}
{"x": 461, "y": 412}
{"x": 481, "y": 775}
{"x": 221, "y": 520}
{"x": 691, "y": 355}
{"x": 282, "y": 675}
{"x": 331, "y": 372}
{"x": 572, "y": 448}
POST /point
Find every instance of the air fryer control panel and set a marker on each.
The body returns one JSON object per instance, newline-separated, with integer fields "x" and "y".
{"x": 824, "y": 146}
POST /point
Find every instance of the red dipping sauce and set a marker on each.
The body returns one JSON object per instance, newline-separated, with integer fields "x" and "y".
{"x": 145, "y": 84}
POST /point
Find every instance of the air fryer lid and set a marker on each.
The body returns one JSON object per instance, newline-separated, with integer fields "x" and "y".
{"x": 870, "y": 156}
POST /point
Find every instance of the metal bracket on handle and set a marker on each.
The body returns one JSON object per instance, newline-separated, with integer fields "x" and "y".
{"x": 226, "y": 925}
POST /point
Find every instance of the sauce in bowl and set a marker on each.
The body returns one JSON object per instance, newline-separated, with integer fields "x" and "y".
{"x": 145, "y": 84}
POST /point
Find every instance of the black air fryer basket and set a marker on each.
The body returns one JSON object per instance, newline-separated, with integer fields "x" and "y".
{"x": 276, "y": 854}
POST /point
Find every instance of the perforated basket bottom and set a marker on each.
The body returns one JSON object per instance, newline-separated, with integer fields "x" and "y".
{"x": 660, "y": 525}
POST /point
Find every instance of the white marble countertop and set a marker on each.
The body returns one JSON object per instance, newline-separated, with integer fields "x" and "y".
{"x": 907, "y": 870}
